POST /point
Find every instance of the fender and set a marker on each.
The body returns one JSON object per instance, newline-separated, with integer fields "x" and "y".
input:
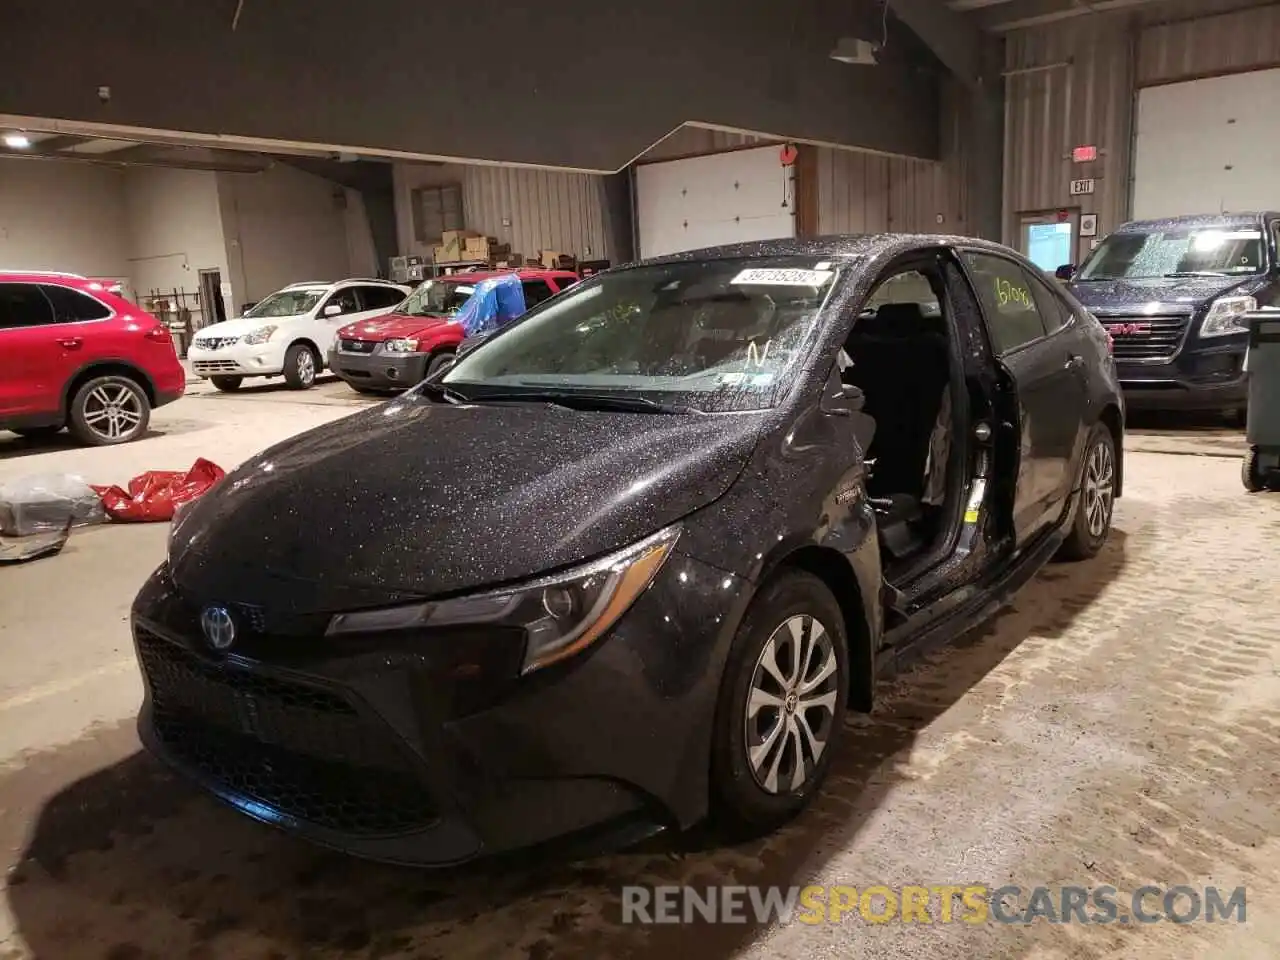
{"x": 141, "y": 375}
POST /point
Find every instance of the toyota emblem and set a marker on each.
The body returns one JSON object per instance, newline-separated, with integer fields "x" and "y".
{"x": 219, "y": 628}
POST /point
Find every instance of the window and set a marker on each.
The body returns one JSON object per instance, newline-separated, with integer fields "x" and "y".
{"x": 714, "y": 334}
{"x": 23, "y": 305}
{"x": 1176, "y": 252}
{"x": 1013, "y": 318}
{"x": 72, "y": 306}
{"x": 379, "y": 298}
{"x": 535, "y": 291}
{"x": 286, "y": 303}
{"x": 435, "y": 210}
{"x": 1052, "y": 310}
{"x": 909, "y": 287}
{"x": 346, "y": 299}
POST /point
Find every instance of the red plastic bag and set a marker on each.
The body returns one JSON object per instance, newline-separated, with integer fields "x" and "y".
{"x": 154, "y": 494}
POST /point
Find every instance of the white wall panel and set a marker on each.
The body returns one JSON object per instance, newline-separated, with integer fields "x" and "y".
{"x": 63, "y": 216}
{"x": 175, "y": 229}
{"x": 710, "y": 200}
{"x": 1208, "y": 145}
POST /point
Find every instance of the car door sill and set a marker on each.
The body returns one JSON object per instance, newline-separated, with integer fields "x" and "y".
{"x": 917, "y": 636}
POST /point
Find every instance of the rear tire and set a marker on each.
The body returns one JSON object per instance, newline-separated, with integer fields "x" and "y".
{"x": 438, "y": 362}
{"x": 227, "y": 384}
{"x": 109, "y": 410}
{"x": 778, "y": 719}
{"x": 38, "y": 433}
{"x": 300, "y": 366}
{"x": 1095, "y": 504}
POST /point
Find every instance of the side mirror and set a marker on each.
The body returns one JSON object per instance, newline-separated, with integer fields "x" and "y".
{"x": 332, "y": 310}
{"x": 1066, "y": 271}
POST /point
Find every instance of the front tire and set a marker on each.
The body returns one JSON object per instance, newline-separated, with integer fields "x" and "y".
{"x": 227, "y": 384}
{"x": 300, "y": 366}
{"x": 781, "y": 706}
{"x": 1095, "y": 506}
{"x": 438, "y": 362}
{"x": 109, "y": 410}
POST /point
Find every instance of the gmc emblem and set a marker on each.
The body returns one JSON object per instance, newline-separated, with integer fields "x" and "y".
{"x": 1128, "y": 329}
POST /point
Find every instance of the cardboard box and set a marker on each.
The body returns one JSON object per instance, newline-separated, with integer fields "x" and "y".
{"x": 460, "y": 236}
{"x": 448, "y": 252}
{"x": 555, "y": 260}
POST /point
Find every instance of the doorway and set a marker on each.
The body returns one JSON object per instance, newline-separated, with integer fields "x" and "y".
{"x": 212, "y": 308}
{"x": 1048, "y": 239}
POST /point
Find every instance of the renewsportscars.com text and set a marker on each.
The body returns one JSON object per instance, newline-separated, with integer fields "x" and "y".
{"x": 941, "y": 903}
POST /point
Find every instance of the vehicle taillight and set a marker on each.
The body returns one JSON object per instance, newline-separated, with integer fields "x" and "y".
{"x": 159, "y": 333}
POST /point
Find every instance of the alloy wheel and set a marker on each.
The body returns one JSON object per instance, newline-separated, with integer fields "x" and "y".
{"x": 791, "y": 704}
{"x": 1099, "y": 489}
{"x": 113, "y": 411}
{"x": 306, "y": 366}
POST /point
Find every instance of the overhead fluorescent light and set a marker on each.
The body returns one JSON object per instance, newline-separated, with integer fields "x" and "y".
{"x": 18, "y": 141}
{"x": 860, "y": 53}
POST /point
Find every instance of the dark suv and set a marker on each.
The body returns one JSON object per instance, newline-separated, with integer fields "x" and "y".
{"x": 1171, "y": 294}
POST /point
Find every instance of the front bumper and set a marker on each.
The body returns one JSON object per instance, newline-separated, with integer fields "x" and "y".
{"x": 377, "y": 371}
{"x": 430, "y": 750}
{"x": 1204, "y": 375}
{"x": 237, "y": 360}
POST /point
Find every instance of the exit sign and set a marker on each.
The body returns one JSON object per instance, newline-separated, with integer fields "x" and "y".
{"x": 1084, "y": 154}
{"x": 1080, "y": 188}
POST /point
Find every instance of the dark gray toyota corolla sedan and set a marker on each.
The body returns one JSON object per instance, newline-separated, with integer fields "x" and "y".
{"x": 630, "y": 560}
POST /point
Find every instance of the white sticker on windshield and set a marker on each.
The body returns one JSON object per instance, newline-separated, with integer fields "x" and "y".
{"x": 732, "y": 379}
{"x": 782, "y": 278}
{"x": 761, "y": 379}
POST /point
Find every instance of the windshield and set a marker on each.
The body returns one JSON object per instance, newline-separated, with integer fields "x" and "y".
{"x": 436, "y": 298}
{"x": 1176, "y": 252}
{"x": 286, "y": 303}
{"x": 712, "y": 335}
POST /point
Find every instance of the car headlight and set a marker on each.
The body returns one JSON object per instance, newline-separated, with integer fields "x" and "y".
{"x": 1225, "y": 316}
{"x": 261, "y": 335}
{"x": 400, "y": 347}
{"x": 560, "y": 614}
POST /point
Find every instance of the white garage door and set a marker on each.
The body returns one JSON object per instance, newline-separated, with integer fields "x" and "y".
{"x": 1207, "y": 146}
{"x": 707, "y": 201}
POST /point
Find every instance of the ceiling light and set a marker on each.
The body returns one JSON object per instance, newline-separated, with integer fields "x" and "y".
{"x": 856, "y": 51}
{"x": 18, "y": 141}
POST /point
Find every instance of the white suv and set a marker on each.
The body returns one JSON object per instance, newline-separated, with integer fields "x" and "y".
{"x": 289, "y": 332}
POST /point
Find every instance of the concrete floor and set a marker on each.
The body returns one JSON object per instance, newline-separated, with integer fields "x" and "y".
{"x": 1120, "y": 724}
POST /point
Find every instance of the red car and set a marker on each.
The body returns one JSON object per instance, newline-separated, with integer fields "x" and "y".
{"x": 399, "y": 349}
{"x": 73, "y": 354}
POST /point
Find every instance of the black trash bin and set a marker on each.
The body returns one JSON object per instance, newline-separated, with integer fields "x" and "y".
{"x": 1261, "y": 467}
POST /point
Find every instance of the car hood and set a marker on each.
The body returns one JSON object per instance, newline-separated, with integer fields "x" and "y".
{"x": 241, "y": 325}
{"x": 1170, "y": 294}
{"x": 391, "y": 326}
{"x": 416, "y": 499}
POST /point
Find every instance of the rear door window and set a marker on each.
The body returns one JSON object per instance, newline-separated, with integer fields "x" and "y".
{"x": 535, "y": 291}
{"x": 380, "y": 298}
{"x": 1005, "y": 289}
{"x": 345, "y": 300}
{"x": 72, "y": 306}
{"x": 23, "y": 305}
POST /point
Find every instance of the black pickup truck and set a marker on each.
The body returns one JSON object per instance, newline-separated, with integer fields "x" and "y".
{"x": 1171, "y": 294}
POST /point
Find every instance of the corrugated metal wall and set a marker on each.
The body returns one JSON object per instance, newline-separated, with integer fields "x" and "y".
{"x": 537, "y": 209}
{"x": 1090, "y": 101}
{"x": 1243, "y": 40}
{"x": 693, "y": 141}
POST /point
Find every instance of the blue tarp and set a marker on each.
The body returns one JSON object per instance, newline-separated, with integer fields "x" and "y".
{"x": 497, "y": 301}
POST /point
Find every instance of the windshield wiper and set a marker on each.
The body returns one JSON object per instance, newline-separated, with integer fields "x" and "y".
{"x": 1197, "y": 273}
{"x": 447, "y": 394}
{"x": 579, "y": 400}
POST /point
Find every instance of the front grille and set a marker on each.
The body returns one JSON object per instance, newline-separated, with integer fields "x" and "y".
{"x": 215, "y": 343}
{"x": 301, "y": 750}
{"x": 1144, "y": 337}
{"x": 357, "y": 346}
{"x": 215, "y": 366}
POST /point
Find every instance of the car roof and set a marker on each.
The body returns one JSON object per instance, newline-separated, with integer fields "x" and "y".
{"x": 524, "y": 273}
{"x": 333, "y": 284}
{"x": 1233, "y": 219}
{"x": 93, "y": 285}
{"x": 835, "y": 247}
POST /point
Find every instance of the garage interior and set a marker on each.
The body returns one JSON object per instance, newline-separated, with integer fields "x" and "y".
{"x": 1119, "y": 725}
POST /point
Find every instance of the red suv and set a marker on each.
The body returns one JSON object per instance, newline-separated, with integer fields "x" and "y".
{"x": 399, "y": 349}
{"x": 73, "y": 354}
